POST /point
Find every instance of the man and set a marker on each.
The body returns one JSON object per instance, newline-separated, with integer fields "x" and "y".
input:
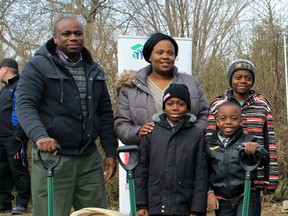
{"x": 63, "y": 99}
{"x": 13, "y": 144}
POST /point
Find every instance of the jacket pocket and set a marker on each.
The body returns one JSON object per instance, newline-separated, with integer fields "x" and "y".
{"x": 184, "y": 192}
{"x": 56, "y": 86}
{"x": 154, "y": 191}
{"x": 139, "y": 115}
{"x": 235, "y": 151}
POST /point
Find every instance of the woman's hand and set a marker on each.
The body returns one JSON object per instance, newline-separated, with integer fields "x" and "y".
{"x": 145, "y": 129}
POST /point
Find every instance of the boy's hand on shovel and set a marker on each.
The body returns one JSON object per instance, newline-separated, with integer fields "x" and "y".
{"x": 250, "y": 147}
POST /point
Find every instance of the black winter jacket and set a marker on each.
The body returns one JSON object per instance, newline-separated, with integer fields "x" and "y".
{"x": 49, "y": 104}
{"x": 226, "y": 175}
{"x": 171, "y": 178}
{"x": 9, "y": 125}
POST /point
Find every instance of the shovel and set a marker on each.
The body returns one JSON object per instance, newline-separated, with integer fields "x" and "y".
{"x": 129, "y": 163}
{"x": 50, "y": 178}
{"x": 248, "y": 165}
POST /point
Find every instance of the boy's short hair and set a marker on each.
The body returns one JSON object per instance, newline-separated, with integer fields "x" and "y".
{"x": 177, "y": 91}
{"x": 229, "y": 103}
{"x": 241, "y": 64}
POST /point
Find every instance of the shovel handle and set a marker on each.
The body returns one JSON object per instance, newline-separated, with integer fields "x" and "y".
{"x": 129, "y": 166}
{"x": 134, "y": 156}
{"x": 251, "y": 167}
{"x": 49, "y": 166}
{"x": 53, "y": 164}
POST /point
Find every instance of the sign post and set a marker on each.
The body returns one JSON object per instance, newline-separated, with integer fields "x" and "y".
{"x": 286, "y": 76}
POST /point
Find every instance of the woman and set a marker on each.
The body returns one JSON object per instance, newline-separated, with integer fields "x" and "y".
{"x": 140, "y": 94}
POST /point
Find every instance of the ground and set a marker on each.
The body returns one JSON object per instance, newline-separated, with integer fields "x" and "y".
{"x": 269, "y": 209}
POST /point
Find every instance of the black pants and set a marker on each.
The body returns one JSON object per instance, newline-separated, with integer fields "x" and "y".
{"x": 258, "y": 202}
{"x": 233, "y": 207}
{"x": 14, "y": 172}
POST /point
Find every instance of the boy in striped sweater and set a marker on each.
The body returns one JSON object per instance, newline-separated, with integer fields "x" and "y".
{"x": 257, "y": 120}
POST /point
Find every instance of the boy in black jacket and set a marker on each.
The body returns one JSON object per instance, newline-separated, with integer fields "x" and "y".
{"x": 171, "y": 178}
{"x": 226, "y": 176}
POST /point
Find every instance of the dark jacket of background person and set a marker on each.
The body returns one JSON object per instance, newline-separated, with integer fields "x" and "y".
{"x": 226, "y": 175}
{"x": 8, "y": 118}
{"x": 56, "y": 98}
{"x": 14, "y": 171}
{"x": 171, "y": 178}
{"x": 135, "y": 104}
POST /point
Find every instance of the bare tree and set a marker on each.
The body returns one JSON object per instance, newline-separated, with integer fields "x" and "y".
{"x": 267, "y": 54}
{"x": 220, "y": 31}
{"x": 21, "y": 33}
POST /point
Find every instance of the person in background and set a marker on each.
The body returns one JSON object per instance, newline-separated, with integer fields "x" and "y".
{"x": 13, "y": 144}
{"x": 226, "y": 175}
{"x": 171, "y": 178}
{"x": 63, "y": 100}
{"x": 257, "y": 118}
{"x": 140, "y": 94}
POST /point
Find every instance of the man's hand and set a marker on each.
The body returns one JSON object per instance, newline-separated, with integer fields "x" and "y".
{"x": 47, "y": 144}
{"x": 212, "y": 201}
{"x": 110, "y": 167}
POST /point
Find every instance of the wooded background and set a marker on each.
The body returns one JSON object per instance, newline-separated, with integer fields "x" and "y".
{"x": 221, "y": 31}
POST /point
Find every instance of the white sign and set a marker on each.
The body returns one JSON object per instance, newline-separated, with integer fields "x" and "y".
{"x": 130, "y": 57}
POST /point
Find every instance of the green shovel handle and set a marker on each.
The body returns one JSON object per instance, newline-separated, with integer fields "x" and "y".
{"x": 133, "y": 160}
{"x": 49, "y": 166}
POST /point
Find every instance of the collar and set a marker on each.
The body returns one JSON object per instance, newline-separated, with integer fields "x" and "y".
{"x": 12, "y": 80}
{"x": 169, "y": 122}
{"x": 221, "y": 137}
{"x": 230, "y": 96}
{"x": 65, "y": 58}
{"x": 145, "y": 71}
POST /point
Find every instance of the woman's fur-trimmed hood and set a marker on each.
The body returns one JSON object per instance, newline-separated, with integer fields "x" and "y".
{"x": 125, "y": 79}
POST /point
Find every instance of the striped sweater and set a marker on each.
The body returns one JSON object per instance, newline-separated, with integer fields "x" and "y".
{"x": 257, "y": 120}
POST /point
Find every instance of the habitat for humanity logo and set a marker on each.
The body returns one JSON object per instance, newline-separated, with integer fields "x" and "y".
{"x": 137, "y": 51}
